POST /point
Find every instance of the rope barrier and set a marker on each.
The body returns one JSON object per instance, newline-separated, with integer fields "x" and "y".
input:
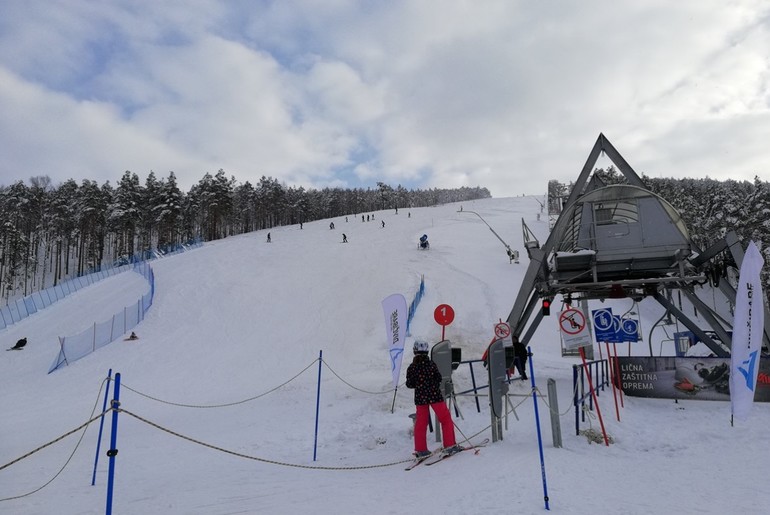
{"x": 354, "y": 387}
{"x": 225, "y": 405}
{"x": 255, "y": 458}
{"x": 83, "y": 426}
{"x": 566, "y": 411}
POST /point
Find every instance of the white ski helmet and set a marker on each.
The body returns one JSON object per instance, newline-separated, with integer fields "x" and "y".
{"x": 420, "y": 346}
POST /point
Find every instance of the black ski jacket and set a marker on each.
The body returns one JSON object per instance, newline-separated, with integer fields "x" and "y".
{"x": 424, "y": 377}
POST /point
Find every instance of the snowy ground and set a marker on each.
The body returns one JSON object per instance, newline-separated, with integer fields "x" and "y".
{"x": 235, "y": 320}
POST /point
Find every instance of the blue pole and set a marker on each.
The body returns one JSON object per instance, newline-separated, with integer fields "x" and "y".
{"x": 113, "y": 443}
{"x": 537, "y": 422}
{"x": 101, "y": 426}
{"x": 317, "y": 403}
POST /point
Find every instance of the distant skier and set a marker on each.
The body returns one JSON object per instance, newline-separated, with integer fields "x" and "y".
{"x": 19, "y": 344}
{"x": 268, "y": 238}
{"x": 132, "y": 336}
{"x": 383, "y": 224}
{"x": 331, "y": 225}
{"x": 344, "y": 238}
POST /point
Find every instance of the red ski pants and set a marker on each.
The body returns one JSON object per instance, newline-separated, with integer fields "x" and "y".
{"x": 421, "y": 425}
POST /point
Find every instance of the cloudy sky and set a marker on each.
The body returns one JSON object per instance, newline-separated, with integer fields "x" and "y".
{"x": 503, "y": 94}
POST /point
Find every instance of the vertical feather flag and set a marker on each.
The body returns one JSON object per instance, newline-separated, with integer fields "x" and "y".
{"x": 747, "y": 334}
{"x": 394, "y": 309}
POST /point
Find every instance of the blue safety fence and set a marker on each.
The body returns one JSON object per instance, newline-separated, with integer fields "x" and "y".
{"x": 600, "y": 378}
{"x": 19, "y": 309}
{"x": 72, "y": 348}
{"x": 413, "y": 306}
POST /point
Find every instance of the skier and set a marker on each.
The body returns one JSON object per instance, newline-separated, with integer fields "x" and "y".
{"x": 383, "y": 224}
{"x": 344, "y": 238}
{"x": 520, "y": 357}
{"x": 268, "y": 238}
{"x": 423, "y": 375}
{"x": 19, "y": 344}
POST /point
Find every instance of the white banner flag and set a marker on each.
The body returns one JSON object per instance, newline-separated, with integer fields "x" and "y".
{"x": 394, "y": 308}
{"x": 747, "y": 334}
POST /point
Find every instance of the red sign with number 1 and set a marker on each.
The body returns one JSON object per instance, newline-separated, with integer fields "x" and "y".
{"x": 443, "y": 315}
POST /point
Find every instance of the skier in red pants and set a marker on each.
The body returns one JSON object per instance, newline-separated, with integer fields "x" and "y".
{"x": 423, "y": 375}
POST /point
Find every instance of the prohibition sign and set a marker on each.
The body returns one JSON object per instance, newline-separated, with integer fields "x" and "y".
{"x": 572, "y": 321}
{"x": 502, "y": 330}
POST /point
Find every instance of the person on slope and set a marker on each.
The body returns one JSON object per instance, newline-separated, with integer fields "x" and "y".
{"x": 424, "y": 377}
{"x": 520, "y": 354}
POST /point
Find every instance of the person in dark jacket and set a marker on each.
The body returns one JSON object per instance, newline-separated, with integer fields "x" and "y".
{"x": 520, "y": 357}
{"x": 424, "y": 377}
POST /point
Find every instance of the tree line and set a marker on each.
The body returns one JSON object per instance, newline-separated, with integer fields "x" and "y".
{"x": 49, "y": 233}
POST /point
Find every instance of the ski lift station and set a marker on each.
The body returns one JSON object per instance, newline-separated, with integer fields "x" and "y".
{"x": 624, "y": 241}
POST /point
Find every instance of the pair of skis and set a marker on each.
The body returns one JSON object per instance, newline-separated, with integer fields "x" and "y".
{"x": 437, "y": 457}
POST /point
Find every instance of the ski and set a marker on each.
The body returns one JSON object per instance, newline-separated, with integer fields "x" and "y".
{"x": 475, "y": 447}
{"x": 418, "y": 461}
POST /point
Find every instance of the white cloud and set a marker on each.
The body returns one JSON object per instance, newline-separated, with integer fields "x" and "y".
{"x": 501, "y": 94}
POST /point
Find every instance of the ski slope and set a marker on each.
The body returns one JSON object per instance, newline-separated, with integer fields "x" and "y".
{"x": 239, "y": 324}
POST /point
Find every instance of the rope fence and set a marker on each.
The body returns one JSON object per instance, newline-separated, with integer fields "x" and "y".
{"x": 116, "y": 408}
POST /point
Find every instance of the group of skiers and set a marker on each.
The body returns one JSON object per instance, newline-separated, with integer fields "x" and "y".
{"x": 423, "y": 240}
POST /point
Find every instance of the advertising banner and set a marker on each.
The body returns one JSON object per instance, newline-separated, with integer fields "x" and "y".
{"x": 747, "y": 334}
{"x": 394, "y": 309}
{"x": 686, "y": 378}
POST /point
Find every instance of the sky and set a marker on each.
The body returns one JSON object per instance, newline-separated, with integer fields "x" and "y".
{"x": 241, "y": 322}
{"x": 440, "y": 93}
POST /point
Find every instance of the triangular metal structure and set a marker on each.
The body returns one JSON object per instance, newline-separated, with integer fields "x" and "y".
{"x": 620, "y": 241}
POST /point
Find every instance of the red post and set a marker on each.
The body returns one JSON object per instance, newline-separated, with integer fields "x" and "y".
{"x": 593, "y": 394}
{"x": 617, "y": 374}
{"x": 612, "y": 380}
